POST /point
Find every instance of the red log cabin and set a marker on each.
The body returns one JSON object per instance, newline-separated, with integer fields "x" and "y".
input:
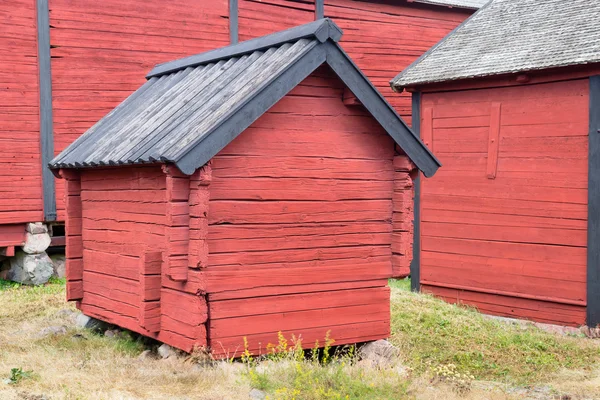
{"x": 258, "y": 188}
{"x": 67, "y": 63}
{"x": 511, "y": 224}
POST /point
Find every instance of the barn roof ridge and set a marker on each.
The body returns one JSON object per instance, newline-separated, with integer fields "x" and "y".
{"x": 507, "y": 37}
{"x": 187, "y": 116}
{"x": 322, "y": 30}
{"x": 468, "y": 4}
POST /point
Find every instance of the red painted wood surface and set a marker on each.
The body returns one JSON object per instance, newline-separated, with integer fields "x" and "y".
{"x": 20, "y": 179}
{"x": 300, "y": 232}
{"x": 102, "y": 51}
{"x": 12, "y": 235}
{"x": 514, "y": 245}
{"x": 129, "y": 230}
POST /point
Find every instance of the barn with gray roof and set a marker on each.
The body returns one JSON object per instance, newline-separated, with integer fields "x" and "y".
{"x": 510, "y": 104}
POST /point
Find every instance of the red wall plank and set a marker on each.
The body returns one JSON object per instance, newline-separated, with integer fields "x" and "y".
{"x": 522, "y": 235}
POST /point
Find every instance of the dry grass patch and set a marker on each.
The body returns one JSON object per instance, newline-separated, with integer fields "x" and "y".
{"x": 84, "y": 365}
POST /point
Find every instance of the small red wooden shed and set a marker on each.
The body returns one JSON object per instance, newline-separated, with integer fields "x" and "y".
{"x": 256, "y": 188}
{"x": 511, "y": 225}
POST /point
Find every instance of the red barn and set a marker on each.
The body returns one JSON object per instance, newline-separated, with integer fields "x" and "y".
{"x": 510, "y": 102}
{"x": 67, "y": 63}
{"x": 256, "y": 188}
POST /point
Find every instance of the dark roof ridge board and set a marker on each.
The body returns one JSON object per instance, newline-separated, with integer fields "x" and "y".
{"x": 322, "y": 29}
{"x": 399, "y": 89}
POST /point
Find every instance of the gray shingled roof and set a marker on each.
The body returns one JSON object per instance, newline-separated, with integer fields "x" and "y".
{"x": 471, "y": 4}
{"x": 509, "y": 36}
{"x": 190, "y": 109}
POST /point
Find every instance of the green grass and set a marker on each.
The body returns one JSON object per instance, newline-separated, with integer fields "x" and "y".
{"x": 5, "y": 285}
{"x": 431, "y": 333}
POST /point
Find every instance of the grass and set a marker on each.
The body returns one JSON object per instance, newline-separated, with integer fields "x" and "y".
{"x": 432, "y": 336}
{"x": 431, "y": 333}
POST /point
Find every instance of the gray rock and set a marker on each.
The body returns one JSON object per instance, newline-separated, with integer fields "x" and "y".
{"x": 83, "y": 321}
{"x": 379, "y": 354}
{"x": 36, "y": 228}
{"x": 59, "y": 264}
{"x": 36, "y": 243}
{"x": 52, "y": 331}
{"x": 166, "y": 351}
{"x": 30, "y": 269}
{"x": 256, "y": 394}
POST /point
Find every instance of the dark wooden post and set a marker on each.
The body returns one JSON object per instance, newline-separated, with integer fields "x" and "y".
{"x": 415, "y": 265}
{"x": 233, "y": 21}
{"x": 593, "y": 240}
{"x": 46, "y": 129}
{"x": 319, "y": 9}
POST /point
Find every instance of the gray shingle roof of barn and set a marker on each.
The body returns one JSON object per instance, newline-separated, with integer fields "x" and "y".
{"x": 509, "y": 36}
{"x": 471, "y": 4}
{"x": 190, "y": 109}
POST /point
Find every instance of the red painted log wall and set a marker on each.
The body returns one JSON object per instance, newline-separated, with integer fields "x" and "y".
{"x": 512, "y": 244}
{"x": 103, "y": 49}
{"x": 300, "y": 224}
{"x": 20, "y": 179}
{"x": 125, "y": 246}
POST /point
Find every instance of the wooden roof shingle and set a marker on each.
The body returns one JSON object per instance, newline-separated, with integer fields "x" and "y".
{"x": 510, "y": 36}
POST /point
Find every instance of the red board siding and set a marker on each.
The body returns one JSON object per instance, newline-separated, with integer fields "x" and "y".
{"x": 125, "y": 223}
{"x": 517, "y": 235}
{"x": 313, "y": 208}
{"x": 103, "y": 49}
{"x": 20, "y": 180}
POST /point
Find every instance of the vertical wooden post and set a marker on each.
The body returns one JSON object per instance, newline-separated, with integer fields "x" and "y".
{"x": 415, "y": 265}
{"x": 593, "y": 239}
{"x": 319, "y": 9}
{"x": 178, "y": 222}
{"x": 46, "y": 126}
{"x": 233, "y": 21}
{"x": 74, "y": 231}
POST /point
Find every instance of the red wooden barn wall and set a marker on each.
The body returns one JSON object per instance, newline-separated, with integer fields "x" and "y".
{"x": 20, "y": 179}
{"x": 103, "y": 49}
{"x": 514, "y": 245}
